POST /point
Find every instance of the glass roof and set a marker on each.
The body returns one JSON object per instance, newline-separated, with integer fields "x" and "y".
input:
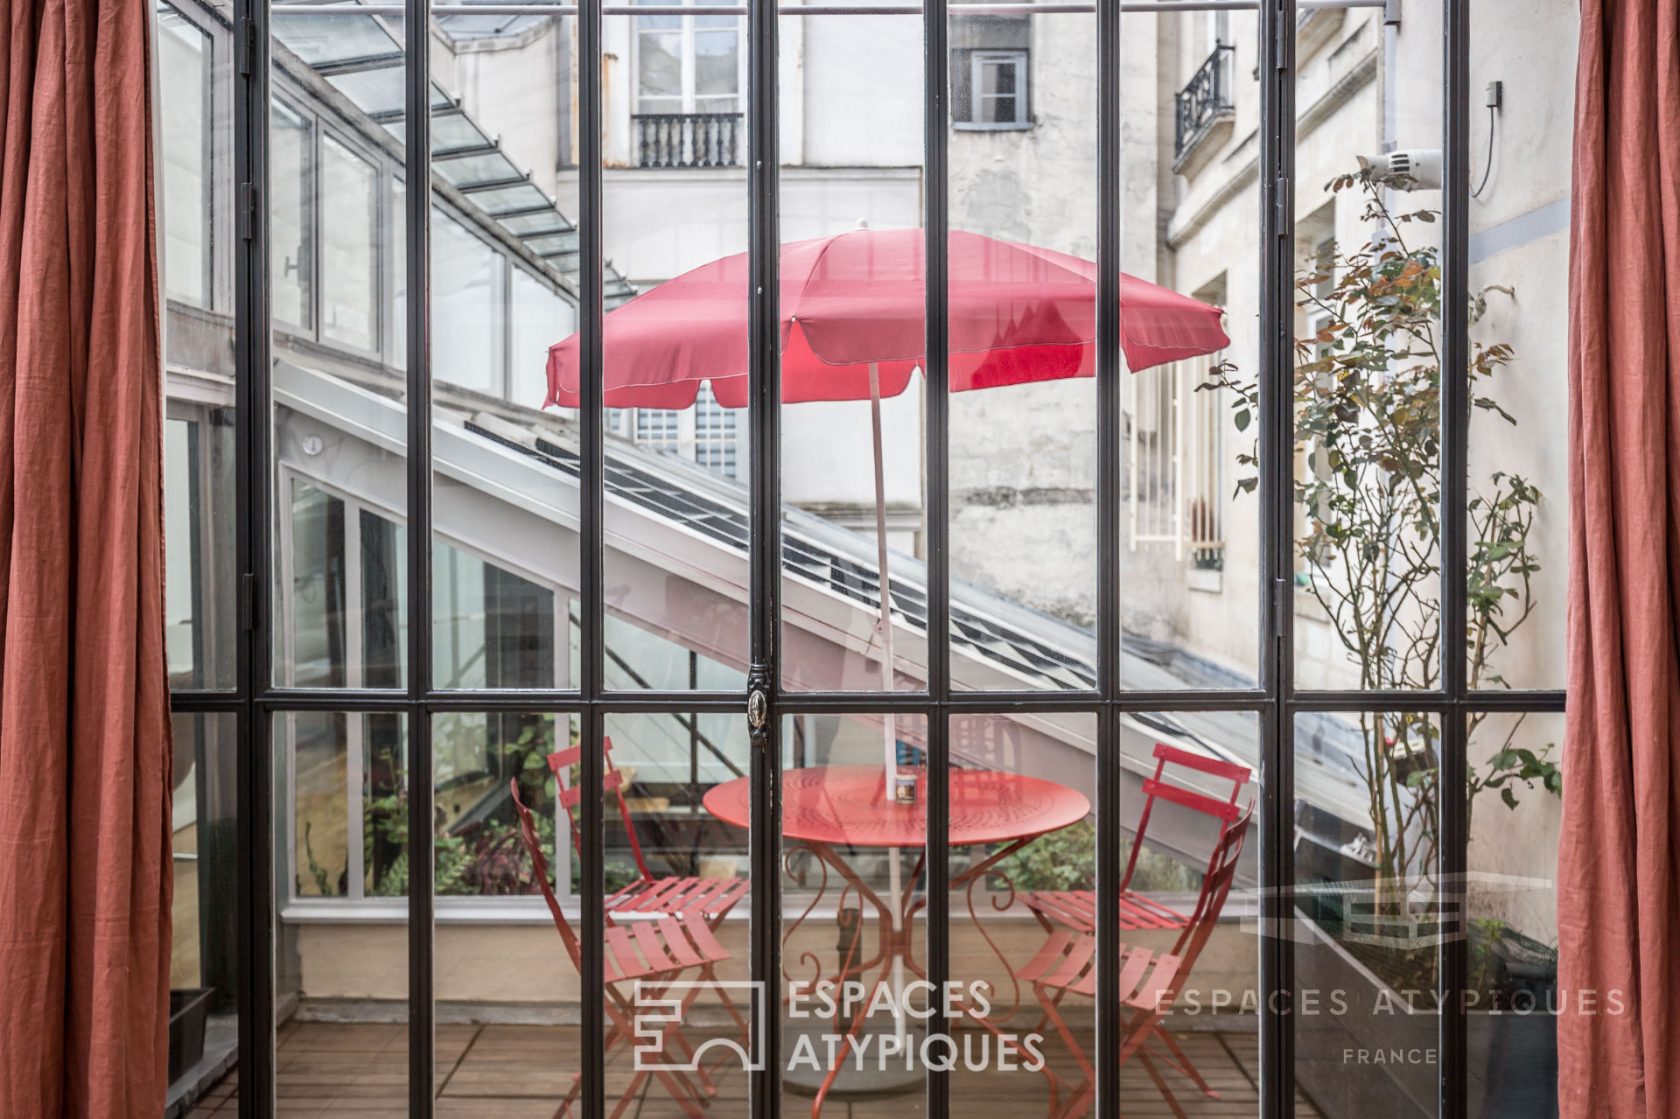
{"x": 361, "y": 57}
{"x": 465, "y": 28}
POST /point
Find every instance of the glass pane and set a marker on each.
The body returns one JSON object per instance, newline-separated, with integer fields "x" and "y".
{"x": 341, "y": 984}
{"x": 1023, "y": 405}
{"x": 199, "y": 581}
{"x": 999, "y": 110}
{"x": 348, "y": 594}
{"x": 1190, "y": 877}
{"x": 204, "y": 964}
{"x": 396, "y": 327}
{"x": 338, "y": 601}
{"x": 465, "y": 171}
{"x": 997, "y": 77}
{"x": 1369, "y": 911}
{"x": 541, "y": 316}
{"x": 291, "y": 216}
{"x": 854, "y": 914}
{"x": 1022, "y": 828}
{"x": 1367, "y": 373}
{"x": 349, "y": 246}
{"x": 674, "y": 806}
{"x": 467, "y": 307}
{"x": 1024, "y": 910}
{"x": 196, "y": 255}
{"x": 506, "y": 983}
{"x": 1519, "y": 266}
{"x": 504, "y": 483}
{"x": 717, "y": 58}
{"x": 184, "y": 92}
{"x": 492, "y": 627}
{"x": 852, "y": 469}
{"x": 1190, "y": 526}
{"x": 658, "y": 60}
{"x": 676, "y": 518}
{"x": 455, "y": 130}
{"x": 316, "y": 656}
{"x": 1511, "y": 907}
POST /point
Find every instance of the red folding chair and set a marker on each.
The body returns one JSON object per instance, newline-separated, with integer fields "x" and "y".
{"x": 650, "y": 954}
{"x": 1149, "y": 984}
{"x": 650, "y": 896}
{"x": 1077, "y": 909}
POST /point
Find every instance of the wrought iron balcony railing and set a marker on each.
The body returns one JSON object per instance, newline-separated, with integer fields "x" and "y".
{"x": 687, "y": 139}
{"x": 1204, "y": 99}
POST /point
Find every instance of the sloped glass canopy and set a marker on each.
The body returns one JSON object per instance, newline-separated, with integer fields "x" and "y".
{"x": 361, "y": 57}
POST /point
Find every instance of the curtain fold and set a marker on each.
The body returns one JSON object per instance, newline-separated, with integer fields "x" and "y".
{"x": 85, "y": 750}
{"x": 1619, "y": 855}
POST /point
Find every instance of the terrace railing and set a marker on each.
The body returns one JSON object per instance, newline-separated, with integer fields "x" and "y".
{"x": 687, "y": 139}
{"x": 1205, "y": 98}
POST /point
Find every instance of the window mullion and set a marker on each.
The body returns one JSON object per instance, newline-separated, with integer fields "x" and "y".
{"x": 418, "y": 730}
{"x": 1276, "y": 614}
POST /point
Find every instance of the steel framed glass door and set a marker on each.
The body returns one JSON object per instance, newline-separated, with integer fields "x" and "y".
{"x": 1283, "y": 554}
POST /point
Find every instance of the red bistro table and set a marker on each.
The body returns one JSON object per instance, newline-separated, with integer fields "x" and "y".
{"x": 829, "y": 807}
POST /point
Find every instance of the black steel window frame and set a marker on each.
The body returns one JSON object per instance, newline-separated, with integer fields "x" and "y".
{"x": 1277, "y": 701}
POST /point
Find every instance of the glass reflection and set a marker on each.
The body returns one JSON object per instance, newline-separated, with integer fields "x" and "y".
{"x": 853, "y": 995}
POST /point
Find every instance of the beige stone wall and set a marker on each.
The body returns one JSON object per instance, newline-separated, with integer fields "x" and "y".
{"x": 510, "y": 970}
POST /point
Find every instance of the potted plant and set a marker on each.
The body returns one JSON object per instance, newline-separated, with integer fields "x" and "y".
{"x": 1367, "y": 405}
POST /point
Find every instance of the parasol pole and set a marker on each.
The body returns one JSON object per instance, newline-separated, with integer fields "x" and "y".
{"x": 889, "y": 730}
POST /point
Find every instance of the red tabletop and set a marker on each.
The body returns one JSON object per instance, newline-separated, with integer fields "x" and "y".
{"x": 849, "y": 804}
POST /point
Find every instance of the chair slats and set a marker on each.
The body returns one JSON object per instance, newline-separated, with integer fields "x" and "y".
{"x": 619, "y": 960}
{"x": 1077, "y": 909}
{"x": 1189, "y": 798}
{"x": 1148, "y": 982}
{"x": 1132, "y": 967}
{"x": 701, "y": 934}
{"x": 1053, "y": 949}
{"x": 1157, "y": 992}
{"x": 1139, "y": 912}
{"x": 657, "y": 949}
{"x": 1072, "y": 966}
{"x": 1217, "y": 767}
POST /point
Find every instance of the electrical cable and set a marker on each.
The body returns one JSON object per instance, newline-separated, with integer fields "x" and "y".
{"x": 1488, "y": 170}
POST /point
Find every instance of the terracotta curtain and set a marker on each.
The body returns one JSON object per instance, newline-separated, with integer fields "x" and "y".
{"x": 84, "y": 713}
{"x": 1619, "y": 857}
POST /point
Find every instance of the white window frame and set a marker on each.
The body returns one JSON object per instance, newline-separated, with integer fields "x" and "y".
{"x": 978, "y": 60}
{"x": 688, "y": 441}
{"x": 1151, "y": 520}
{"x": 691, "y": 102}
{"x": 356, "y": 902}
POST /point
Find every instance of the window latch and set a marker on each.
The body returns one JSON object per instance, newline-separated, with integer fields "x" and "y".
{"x": 247, "y": 211}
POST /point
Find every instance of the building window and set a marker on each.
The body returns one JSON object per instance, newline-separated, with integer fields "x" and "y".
{"x": 1154, "y": 466}
{"x": 714, "y": 434}
{"x": 997, "y": 90}
{"x": 989, "y": 72}
{"x": 688, "y": 91}
{"x": 688, "y": 64}
{"x": 466, "y": 307}
{"x": 707, "y": 434}
{"x": 349, "y": 247}
{"x": 290, "y": 215}
{"x": 659, "y": 429}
